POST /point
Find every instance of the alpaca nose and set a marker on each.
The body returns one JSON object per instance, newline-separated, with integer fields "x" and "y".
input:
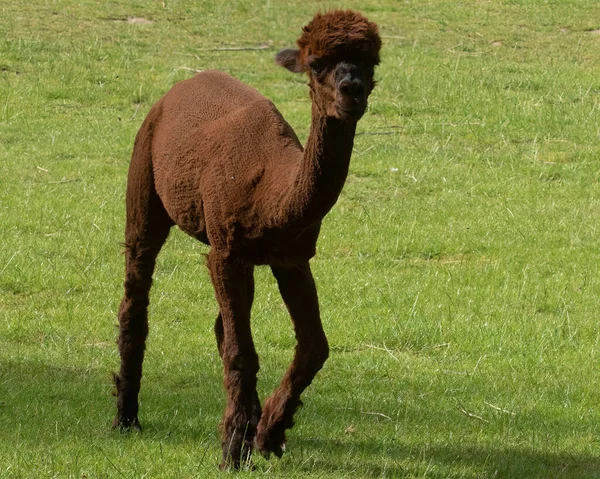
{"x": 349, "y": 81}
{"x": 351, "y": 86}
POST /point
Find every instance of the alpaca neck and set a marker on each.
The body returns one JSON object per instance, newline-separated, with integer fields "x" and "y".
{"x": 322, "y": 171}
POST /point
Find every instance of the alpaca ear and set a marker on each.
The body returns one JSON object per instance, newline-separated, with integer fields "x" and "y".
{"x": 290, "y": 59}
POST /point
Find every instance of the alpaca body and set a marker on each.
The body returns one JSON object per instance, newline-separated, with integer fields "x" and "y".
{"x": 202, "y": 132}
{"x": 217, "y": 159}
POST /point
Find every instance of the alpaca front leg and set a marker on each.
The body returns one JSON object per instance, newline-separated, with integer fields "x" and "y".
{"x": 220, "y": 335}
{"x": 299, "y": 293}
{"x": 233, "y": 283}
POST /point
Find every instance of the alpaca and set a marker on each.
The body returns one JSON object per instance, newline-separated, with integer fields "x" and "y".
{"x": 217, "y": 159}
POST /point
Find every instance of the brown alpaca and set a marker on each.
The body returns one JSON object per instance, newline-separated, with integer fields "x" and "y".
{"x": 217, "y": 159}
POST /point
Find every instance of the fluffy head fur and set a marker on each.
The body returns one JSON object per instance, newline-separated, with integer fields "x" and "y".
{"x": 338, "y": 33}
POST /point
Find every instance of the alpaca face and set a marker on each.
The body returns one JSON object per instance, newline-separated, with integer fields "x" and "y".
{"x": 340, "y": 84}
{"x": 341, "y": 87}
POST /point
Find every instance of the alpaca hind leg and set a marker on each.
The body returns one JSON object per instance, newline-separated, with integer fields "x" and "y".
{"x": 232, "y": 281}
{"x": 298, "y": 290}
{"x": 133, "y": 330}
{"x": 147, "y": 228}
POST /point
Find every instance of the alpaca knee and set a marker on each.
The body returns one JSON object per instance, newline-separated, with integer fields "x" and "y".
{"x": 246, "y": 363}
{"x": 317, "y": 354}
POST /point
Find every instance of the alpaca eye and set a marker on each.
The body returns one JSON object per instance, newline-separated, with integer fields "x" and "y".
{"x": 317, "y": 67}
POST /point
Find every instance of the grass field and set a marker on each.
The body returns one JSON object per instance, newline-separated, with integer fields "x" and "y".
{"x": 458, "y": 274}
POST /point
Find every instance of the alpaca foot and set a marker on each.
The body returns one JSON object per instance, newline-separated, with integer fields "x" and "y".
{"x": 246, "y": 465}
{"x": 236, "y": 457}
{"x": 271, "y": 440}
{"x": 242, "y": 460}
{"x": 277, "y": 416}
{"x": 126, "y": 424}
{"x": 126, "y": 418}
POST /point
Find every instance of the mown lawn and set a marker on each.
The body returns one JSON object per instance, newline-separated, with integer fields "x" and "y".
{"x": 458, "y": 274}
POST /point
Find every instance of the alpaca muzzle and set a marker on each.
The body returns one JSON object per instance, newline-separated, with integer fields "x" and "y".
{"x": 351, "y": 93}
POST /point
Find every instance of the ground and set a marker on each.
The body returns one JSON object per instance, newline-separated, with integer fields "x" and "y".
{"x": 458, "y": 273}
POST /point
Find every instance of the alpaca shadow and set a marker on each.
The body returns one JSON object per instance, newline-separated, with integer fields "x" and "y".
{"x": 35, "y": 395}
{"x": 83, "y": 395}
{"x": 440, "y": 461}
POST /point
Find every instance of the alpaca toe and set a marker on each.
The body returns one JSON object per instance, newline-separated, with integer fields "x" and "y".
{"x": 278, "y": 449}
{"x": 270, "y": 443}
{"x": 127, "y": 424}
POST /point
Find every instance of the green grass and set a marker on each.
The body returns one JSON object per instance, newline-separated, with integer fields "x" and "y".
{"x": 458, "y": 273}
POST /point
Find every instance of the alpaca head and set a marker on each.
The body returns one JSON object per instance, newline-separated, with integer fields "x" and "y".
{"x": 339, "y": 51}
